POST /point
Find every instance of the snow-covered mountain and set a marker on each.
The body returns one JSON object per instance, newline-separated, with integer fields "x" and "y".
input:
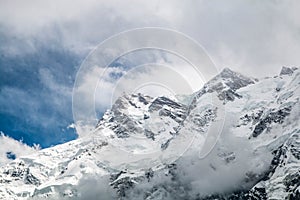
{"x": 236, "y": 138}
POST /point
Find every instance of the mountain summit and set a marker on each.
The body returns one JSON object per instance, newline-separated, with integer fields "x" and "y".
{"x": 225, "y": 84}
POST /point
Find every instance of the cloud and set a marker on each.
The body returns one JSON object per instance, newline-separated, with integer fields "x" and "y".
{"x": 243, "y": 35}
{"x": 78, "y": 25}
{"x": 44, "y": 38}
{"x": 246, "y": 35}
{"x": 17, "y": 148}
{"x": 91, "y": 186}
{"x": 233, "y": 165}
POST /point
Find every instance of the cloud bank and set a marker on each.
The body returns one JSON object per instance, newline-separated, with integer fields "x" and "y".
{"x": 43, "y": 44}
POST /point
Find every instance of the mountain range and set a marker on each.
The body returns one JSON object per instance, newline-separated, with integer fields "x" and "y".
{"x": 236, "y": 138}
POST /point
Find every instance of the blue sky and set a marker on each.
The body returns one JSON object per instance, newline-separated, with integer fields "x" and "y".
{"x": 44, "y": 43}
{"x": 31, "y": 108}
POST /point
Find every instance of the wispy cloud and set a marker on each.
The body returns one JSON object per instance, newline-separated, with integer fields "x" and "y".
{"x": 40, "y": 112}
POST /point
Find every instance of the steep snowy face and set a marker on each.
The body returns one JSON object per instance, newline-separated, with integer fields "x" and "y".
{"x": 126, "y": 115}
{"x": 145, "y": 123}
{"x": 257, "y": 149}
{"x": 282, "y": 181}
{"x": 266, "y": 104}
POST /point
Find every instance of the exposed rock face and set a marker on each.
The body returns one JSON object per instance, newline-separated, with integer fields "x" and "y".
{"x": 19, "y": 171}
{"x": 287, "y": 71}
{"x": 170, "y": 108}
{"x": 272, "y": 117}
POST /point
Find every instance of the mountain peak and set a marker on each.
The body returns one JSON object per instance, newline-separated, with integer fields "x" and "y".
{"x": 287, "y": 70}
{"x": 225, "y": 84}
{"x": 227, "y": 71}
{"x": 231, "y": 79}
{"x": 135, "y": 100}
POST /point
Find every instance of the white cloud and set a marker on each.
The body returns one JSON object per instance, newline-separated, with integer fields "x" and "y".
{"x": 18, "y": 148}
{"x": 245, "y": 35}
{"x": 212, "y": 174}
{"x": 253, "y": 37}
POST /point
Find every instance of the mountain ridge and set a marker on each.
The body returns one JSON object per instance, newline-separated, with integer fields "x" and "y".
{"x": 262, "y": 115}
